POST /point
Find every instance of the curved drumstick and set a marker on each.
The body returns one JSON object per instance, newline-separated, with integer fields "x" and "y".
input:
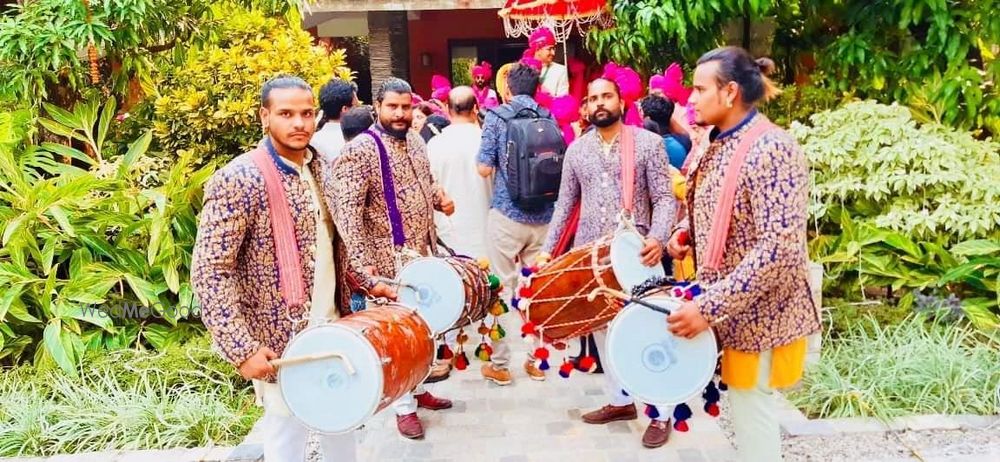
{"x": 628, "y": 298}
{"x": 314, "y": 357}
{"x": 416, "y": 290}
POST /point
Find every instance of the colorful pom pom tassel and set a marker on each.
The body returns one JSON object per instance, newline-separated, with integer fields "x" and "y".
{"x": 682, "y": 412}
{"x": 526, "y": 271}
{"x": 712, "y": 409}
{"x": 588, "y": 364}
{"x": 515, "y": 302}
{"x": 528, "y": 329}
{"x": 494, "y": 281}
{"x": 444, "y": 352}
{"x": 497, "y": 332}
{"x": 525, "y": 292}
{"x": 461, "y": 361}
{"x": 565, "y": 369}
{"x": 652, "y": 412}
{"x": 484, "y": 352}
{"x": 541, "y": 353}
{"x": 544, "y": 365}
{"x": 484, "y": 263}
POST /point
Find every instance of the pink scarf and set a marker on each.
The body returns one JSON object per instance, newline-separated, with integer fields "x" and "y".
{"x": 628, "y": 167}
{"x": 293, "y": 288}
{"x": 723, "y": 216}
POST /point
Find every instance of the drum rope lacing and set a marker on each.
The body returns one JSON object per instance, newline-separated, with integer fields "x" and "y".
{"x": 580, "y": 293}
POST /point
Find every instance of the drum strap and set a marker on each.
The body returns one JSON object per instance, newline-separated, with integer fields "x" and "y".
{"x": 724, "y": 210}
{"x": 628, "y": 168}
{"x": 389, "y": 192}
{"x": 282, "y": 226}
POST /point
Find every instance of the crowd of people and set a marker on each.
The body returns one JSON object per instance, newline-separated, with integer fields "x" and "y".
{"x": 362, "y": 187}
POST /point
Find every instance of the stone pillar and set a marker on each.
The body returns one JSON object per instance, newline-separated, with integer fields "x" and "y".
{"x": 388, "y": 45}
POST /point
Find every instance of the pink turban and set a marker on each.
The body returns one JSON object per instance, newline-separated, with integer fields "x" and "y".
{"x": 440, "y": 87}
{"x": 541, "y": 38}
{"x": 483, "y": 70}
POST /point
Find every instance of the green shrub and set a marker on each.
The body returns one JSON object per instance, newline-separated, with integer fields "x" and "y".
{"x": 183, "y": 396}
{"x": 461, "y": 73}
{"x": 208, "y": 104}
{"x": 114, "y": 226}
{"x": 913, "y": 367}
{"x": 925, "y": 181}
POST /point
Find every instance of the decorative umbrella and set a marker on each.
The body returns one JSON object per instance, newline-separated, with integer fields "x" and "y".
{"x": 521, "y": 17}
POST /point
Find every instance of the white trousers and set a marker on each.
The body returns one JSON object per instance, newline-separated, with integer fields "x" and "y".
{"x": 613, "y": 388}
{"x": 755, "y": 424}
{"x": 407, "y": 404}
{"x": 285, "y": 438}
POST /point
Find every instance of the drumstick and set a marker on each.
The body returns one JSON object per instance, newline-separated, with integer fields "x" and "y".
{"x": 313, "y": 357}
{"x": 622, "y": 295}
{"x": 393, "y": 282}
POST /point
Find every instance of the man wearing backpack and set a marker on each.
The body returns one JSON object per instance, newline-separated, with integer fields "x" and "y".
{"x": 522, "y": 148}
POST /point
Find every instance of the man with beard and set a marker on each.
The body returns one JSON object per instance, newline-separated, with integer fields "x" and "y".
{"x": 485, "y": 95}
{"x": 254, "y": 281}
{"x": 389, "y": 150}
{"x": 592, "y": 173}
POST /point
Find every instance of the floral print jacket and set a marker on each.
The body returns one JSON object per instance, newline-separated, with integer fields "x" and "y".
{"x": 234, "y": 271}
{"x": 762, "y": 288}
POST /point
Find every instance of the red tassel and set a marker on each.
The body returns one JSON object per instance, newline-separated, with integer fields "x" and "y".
{"x": 712, "y": 409}
{"x": 461, "y": 361}
{"x": 541, "y": 353}
{"x": 681, "y": 426}
{"x": 565, "y": 369}
{"x": 588, "y": 364}
{"x": 444, "y": 352}
{"x": 525, "y": 292}
{"x": 528, "y": 329}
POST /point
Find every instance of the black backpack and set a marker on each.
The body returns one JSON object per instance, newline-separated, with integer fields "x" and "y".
{"x": 535, "y": 153}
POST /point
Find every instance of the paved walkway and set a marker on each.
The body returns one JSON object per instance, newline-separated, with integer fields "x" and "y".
{"x": 534, "y": 421}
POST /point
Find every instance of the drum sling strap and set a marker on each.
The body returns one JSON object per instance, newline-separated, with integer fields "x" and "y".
{"x": 723, "y": 216}
{"x": 282, "y": 226}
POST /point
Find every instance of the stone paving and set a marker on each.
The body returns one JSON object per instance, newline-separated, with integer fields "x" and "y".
{"x": 534, "y": 421}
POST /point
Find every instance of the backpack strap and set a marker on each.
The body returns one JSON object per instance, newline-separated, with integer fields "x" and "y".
{"x": 723, "y": 215}
{"x": 283, "y": 227}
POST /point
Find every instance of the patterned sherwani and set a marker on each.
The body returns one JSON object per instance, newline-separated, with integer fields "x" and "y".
{"x": 763, "y": 283}
{"x": 360, "y": 209}
{"x": 234, "y": 271}
{"x": 594, "y": 176}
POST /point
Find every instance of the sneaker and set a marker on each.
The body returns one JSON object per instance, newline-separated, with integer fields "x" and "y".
{"x": 409, "y": 426}
{"x": 533, "y": 371}
{"x": 497, "y": 376}
{"x": 611, "y": 413}
{"x": 428, "y": 401}
{"x": 657, "y": 434}
{"x": 439, "y": 372}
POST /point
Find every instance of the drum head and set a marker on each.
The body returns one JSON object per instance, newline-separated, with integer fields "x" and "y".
{"x": 322, "y": 394}
{"x": 652, "y": 364}
{"x": 626, "y": 263}
{"x": 440, "y": 294}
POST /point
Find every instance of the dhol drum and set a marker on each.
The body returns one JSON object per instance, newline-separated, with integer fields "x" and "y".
{"x": 653, "y": 365}
{"x": 626, "y": 262}
{"x": 555, "y": 301}
{"x": 334, "y": 377}
{"x": 449, "y": 292}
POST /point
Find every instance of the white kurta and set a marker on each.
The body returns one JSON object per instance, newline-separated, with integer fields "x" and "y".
{"x": 329, "y": 140}
{"x": 452, "y": 156}
{"x": 555, "y": 80}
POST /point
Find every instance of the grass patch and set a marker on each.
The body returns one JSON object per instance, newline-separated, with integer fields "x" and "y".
{"x": 184, "y": 396}
{"x": 910, "y": 367}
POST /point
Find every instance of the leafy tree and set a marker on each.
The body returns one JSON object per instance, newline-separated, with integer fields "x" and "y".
{"x": 652, "y": 33}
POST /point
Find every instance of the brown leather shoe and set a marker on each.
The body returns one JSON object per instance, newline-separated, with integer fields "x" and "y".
{"x": 497, "y": 376}
{"x": 439, "y": 372}
{"x": 409, "y": 426}
{"x": 428, "y": 401}
{"x": 657, "y": 434}
{"x": 610, "y": 413}
{"x": 533, "y": 371}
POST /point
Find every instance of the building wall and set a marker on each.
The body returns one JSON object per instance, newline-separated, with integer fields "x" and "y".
{"x": 431, "y": 32}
